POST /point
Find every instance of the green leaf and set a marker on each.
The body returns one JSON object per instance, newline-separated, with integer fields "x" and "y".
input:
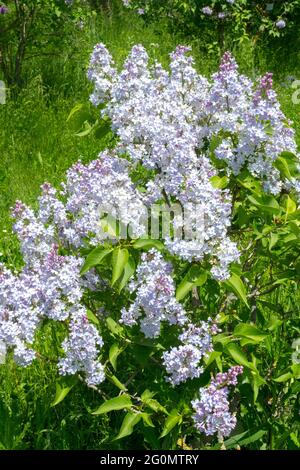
{"x": 256, "y": 382}
{"x": 113, "y": 379}
{"x": 287, "y": 164}
{"x": 219, "y": 182}
{"x": 238, "y": 355}
{"x": 94, "y": 258}
{"x": 147, "y": 420}
{"x": 130, "y": 420}
{"x": 236, "y": 285}
{"x": 63, "y": 387}
{"x": 266, "y": 203}
{"x": 147, "y": 399}
{"x": 296, "y": 370}
{"x": 75, "y": 110}
{"x": 290, "y": 206}
{"x": 273, "y": 240}
{"x": 119, "y": 260}
{"x": 284, "y": 377}
{"x": 196, "y": 276}
{"x": 212, "y": 357}
{"x": 117, "y": 403}
{"x": 249, "y": 331}
{"x": 102, "y": 128}
{"x": 129, "y": 270}
{"x": 147, "y": 243}
{"x": 172, "y": 420}
{"x": 234, "y": 440}
{"x": 255, "y": 437}
{"x": 113, "y": 354}
{"x": 92, "y": 317}
{"x": 114, "y": 327}
{"x": 282, "y": 165}
{"x": 87, "y": 130}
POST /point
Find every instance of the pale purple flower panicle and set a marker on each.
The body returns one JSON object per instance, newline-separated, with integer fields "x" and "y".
{"x": 183, "y": 362}
{"x": 155, "y": 300}
{"x": 212, "y": 413}
{"x": 82, "y": 349}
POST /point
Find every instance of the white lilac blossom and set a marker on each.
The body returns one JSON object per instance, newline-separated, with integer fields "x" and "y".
{"x": 280, "y": 24}
{"x": 155, "y": 300}
{"x": 257, "y": 130}
{"x": 212, "y": 412}
{"x": 101, "y": 72}
{"x": 207, "y": 11}
{"x": 161, "y": 121}
{"x": 74, "y": 214}
{"x": 81, "y": 349}
{"x": 52, "y": 289}
{"x": 167, "y": 121}
{"x": 183, "y": 362}
{"x": 101, "y": 187}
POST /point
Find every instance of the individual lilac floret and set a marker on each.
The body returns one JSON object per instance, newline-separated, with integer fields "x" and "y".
{"x": 280, "y": 24}
{"x": 3, "y": 10}
{"x": 182, "y": 363}
{"x": 155, "y": 300}
{"x": 82, "y": 349}
{"x": 212, "y": 409}
{"x": 207, "y": 11}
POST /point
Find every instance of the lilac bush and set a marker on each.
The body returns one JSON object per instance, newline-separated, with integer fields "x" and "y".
{"x": 180, "y": 138}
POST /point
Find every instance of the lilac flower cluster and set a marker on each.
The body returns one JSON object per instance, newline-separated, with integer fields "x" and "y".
{"x": 74, "y": 214}
{"x": 256, "y": 129}
{"x": 167, "y": 120}
{"x": 155, "y": 296}
{"x": 280, "y": 24}
{"x": 161, "y": 121}
{"x": 182, "y": 362}
{"x": 81, "y": 350}
{"x": 49, "y": 289}
{"x": 212, "y": 413}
